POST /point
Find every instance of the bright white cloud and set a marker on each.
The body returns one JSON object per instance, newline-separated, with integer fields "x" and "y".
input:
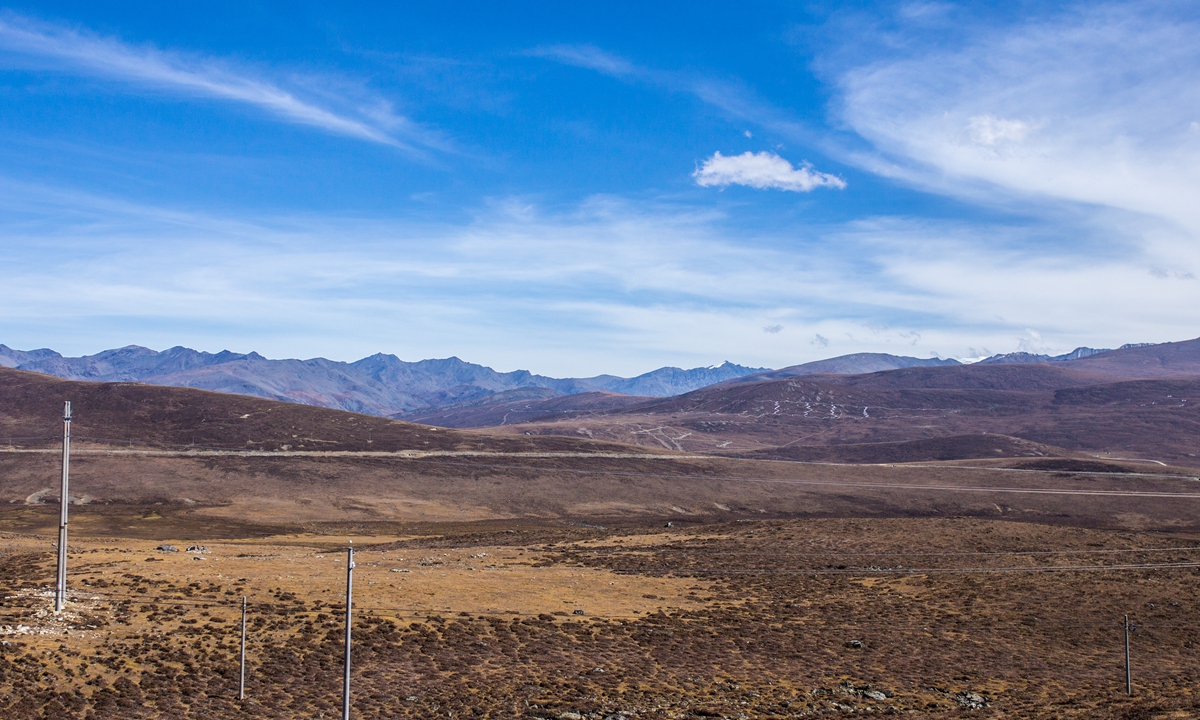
{"x": 370, "y": 119}
{"x": 990, "y": 131}
{"x": 763, "y": 171}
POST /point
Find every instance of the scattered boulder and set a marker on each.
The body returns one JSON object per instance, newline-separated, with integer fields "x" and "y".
{"x": 856, "y": 644}
{"x": 874, "y": 695}
{"x": 970, "y": 701}
{"x": 167, "y": 548}
{"x": 579, "y": 612}
{"x": 198, "y": 549}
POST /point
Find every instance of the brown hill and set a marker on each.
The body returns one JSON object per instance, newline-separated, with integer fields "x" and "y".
{"x": 956, "y": 447}
{"x": 1178, "y": 359}
{"x": 1058, "y": 406}
{"x": 521, "y": 406}
{"x": 140, "y": 415}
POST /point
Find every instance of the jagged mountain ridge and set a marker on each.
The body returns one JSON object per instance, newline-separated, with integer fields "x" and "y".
{"x": 378, "y": 385}
{"x": 1077, "y": 354}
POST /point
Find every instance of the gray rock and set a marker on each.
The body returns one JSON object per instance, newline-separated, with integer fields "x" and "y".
{"x": 970, "y": 701}
{"x": 167, "y": 548}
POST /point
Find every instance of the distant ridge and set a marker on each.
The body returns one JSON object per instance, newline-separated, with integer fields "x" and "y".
{"x": 856, "y": 364}
{"x": 1024, "y": 357}
{"x": 1144, "y": 360}
{"x": 1140, "y": 360}
{"x": 456, "y": 393}
{"x": 377, "y": 385}
{"x": 1134, "y": 403}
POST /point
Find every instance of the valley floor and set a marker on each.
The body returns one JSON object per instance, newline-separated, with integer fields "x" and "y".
{"x": 778, "y": 618}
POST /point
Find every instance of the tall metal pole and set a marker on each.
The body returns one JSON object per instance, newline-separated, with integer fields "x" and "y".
{"x": 60, "y": 585}
{"x": 1128, "y": 670}
{"x": 242, "y": 682}
{"x": 349, "y": 604}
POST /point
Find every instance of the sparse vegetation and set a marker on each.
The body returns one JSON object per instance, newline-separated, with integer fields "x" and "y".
{"x": 744, "y": 619}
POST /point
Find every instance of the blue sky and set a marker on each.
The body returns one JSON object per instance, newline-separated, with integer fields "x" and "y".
{"x": 576, "y": 190}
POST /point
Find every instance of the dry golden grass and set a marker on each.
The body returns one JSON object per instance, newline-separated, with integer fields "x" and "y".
{"x": 742, "y": 619}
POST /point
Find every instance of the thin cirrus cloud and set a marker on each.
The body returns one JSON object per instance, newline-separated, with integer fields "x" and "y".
{"x": 730, "y": 97}
{"x": 518, "y": 285}
{"x": 81, "y": 52}
{"x": 763, "y": 171}
{"x": 1095, "y": 105}
{"x": 589, "y": 57}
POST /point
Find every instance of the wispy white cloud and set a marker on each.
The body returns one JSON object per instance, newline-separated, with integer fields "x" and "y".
{"x": 1093, "y": 104}
{"x": 730, "y": 97}
{"x": 591, "y": 58}
{"x": 762, "y": 170}
{"x": 991, "y": 131}
{"x": 610, "y": 286}
{"x": 71, "y": 50}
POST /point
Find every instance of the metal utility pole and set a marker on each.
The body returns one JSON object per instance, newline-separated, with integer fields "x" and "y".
{"x": 1128, "y": 670}
{"x": 349, "y": 604}
{"x": 242, "y": 682}
{"x": 60, "y": 585}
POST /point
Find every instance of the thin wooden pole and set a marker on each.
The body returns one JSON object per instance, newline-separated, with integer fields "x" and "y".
{"x": 349, "y": 606}
{"x": 60, "y": 583}
{"x": 242, "y": 681}
{"x": 1128, "y": 669}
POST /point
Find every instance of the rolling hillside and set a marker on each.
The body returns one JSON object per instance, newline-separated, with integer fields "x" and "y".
{"x": 1055, "y": 405}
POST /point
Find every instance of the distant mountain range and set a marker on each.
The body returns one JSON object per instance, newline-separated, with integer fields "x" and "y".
{"x": 1136, "y": 402}
{"x": 1076, "y": 354}
{"x": 856, "y": 364}
{"x": 448, "y": 391}
{"x": 377, "y": 385}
